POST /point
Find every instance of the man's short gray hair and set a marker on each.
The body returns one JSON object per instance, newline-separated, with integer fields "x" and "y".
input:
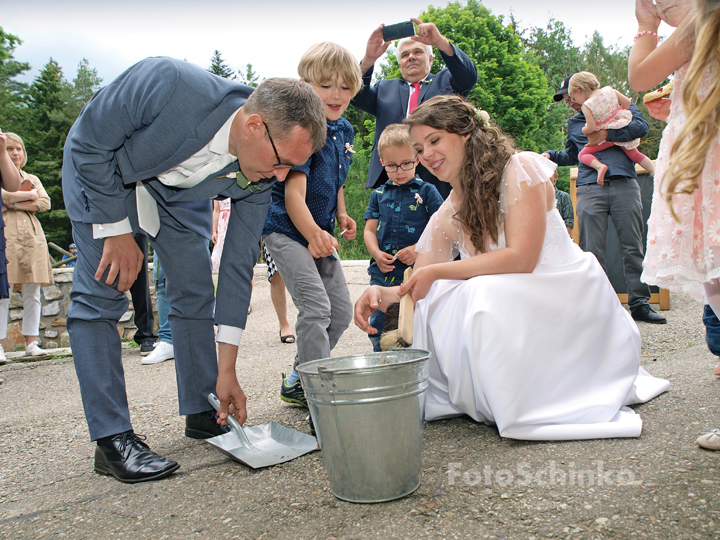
{"x": 286, "y": 103}
{"x": 428, "y": 48}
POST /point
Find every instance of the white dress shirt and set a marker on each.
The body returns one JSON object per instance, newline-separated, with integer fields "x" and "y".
{"x": 213, "y": 157}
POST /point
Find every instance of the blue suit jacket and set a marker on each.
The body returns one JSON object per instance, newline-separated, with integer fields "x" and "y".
{"x": 154, "y": 116}
{"x": 388, "y": 99}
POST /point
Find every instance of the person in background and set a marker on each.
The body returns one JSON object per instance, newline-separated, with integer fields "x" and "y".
{"x": 10, "y": 180}
{"x": 683, "y": 243}
{"x": 618, "y": 196}
{"x": 396, "y": 215}
{"x": 73, "y": 253}
{"x": 26, "y": 247}
{"x": 392, "y": 100}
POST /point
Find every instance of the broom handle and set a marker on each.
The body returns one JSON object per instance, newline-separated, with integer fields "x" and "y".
{"x": 405, "y": 318}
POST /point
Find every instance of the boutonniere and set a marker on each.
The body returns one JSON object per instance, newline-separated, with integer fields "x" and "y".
{"x": 418, "y": 198}
{"x": 243, "y": 182}
{"x": 349, "y": 148}
{"x": 425, "y": 81}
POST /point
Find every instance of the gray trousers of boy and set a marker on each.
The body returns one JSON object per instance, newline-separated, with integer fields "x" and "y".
{"x": 320, "y": 293}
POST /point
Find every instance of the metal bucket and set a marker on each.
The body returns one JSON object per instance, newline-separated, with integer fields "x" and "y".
{"x": 368, "y": 411}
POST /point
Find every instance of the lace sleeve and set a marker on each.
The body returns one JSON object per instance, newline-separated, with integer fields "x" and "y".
{"x": 524, "y": 167}
{"x": 441, "y": 236}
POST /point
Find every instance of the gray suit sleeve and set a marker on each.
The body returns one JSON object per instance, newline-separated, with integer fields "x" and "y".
{"x": 97, "y": 139}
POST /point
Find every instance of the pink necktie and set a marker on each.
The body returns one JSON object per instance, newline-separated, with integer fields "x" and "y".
{"x": 414, "y": 97}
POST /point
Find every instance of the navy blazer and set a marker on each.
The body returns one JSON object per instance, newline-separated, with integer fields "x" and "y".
{"x": 388, "y": 99}
{"x": 154, "y": 116}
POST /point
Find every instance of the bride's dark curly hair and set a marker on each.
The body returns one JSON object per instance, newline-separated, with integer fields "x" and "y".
{"x": 487, "y": 151}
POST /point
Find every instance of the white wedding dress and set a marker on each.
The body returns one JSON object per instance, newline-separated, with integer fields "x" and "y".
{"x": 550, "y": 355}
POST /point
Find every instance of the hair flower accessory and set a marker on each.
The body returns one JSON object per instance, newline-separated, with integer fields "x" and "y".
{"x": 483, "y": 117}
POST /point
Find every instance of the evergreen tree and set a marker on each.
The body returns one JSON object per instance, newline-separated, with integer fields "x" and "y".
{"x": 12, "y": 92}
{"x": 250, "y": 77}
{"x": 85, "y": 84}
{"x": 219, "y": 67}
{"x": 48, "y": 122}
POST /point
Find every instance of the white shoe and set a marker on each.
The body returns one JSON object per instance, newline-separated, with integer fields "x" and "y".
{"x": 162, "y": 351}
{"x": 3, "y": 358}
{"x": 34, "y": 350}
{"x": 710, "y": 441}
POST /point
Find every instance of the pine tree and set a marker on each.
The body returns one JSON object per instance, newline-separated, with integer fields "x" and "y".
{"x": 12, "y": 93}
{"x": 48, "y": 122}
{"x": 219, "y": 67}
{"x": 250, "y": 77}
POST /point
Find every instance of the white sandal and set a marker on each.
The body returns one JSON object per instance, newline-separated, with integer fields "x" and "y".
{"x": 711, "y": 440}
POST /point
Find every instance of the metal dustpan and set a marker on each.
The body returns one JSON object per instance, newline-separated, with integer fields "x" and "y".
{"x": 263, "y": 445}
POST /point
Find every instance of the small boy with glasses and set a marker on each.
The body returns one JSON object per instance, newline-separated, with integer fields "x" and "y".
{"x": 396, "y": 215}
{"x": 300, "y": 224}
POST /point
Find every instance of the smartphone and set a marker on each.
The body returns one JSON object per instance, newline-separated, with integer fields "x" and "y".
{"x": 398, "y": 31}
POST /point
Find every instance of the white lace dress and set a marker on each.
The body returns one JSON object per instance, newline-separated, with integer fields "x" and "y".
{"x": 550, "y": 355}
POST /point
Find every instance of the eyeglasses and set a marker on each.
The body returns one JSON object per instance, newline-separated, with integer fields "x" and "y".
{"x": 405, "y": 166}
{"x": 279, "y": 164}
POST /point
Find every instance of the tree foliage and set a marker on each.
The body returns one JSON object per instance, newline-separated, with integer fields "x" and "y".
{"x": 249, "y": 77}
{"x": 12, "y": 92}
{"x": 219, "y": 67}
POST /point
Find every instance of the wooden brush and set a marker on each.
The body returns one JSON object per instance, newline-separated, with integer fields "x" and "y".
{"x": 398, "y": 327}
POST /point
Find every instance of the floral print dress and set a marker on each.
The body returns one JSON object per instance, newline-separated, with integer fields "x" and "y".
{"x": 682, "y": 255}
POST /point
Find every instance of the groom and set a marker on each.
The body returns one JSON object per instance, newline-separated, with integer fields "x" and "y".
{"x": 147, "y": 152}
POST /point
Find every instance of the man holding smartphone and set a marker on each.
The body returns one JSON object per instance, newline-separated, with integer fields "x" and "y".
{"x": 392, "y": 100}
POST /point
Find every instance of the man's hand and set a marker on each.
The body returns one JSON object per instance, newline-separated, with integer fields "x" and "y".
{"x": 375, "y": 48}
{"x": 321, "y": 244}
{"x": 598, "y": 137}
{"x": 124, "y": 259}
{"x": 429, "y": 34}
{"x": 545, "y": 155}
{"x": 232, "y": 399}
{"x": 659, "y": 108}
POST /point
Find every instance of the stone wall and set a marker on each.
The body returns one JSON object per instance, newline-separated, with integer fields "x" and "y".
{"x": 55, "y": 301}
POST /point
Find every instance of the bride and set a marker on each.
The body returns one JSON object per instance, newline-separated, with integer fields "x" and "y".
{"x": 525, "y": 330}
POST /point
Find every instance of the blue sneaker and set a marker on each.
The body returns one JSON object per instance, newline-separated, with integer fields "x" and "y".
{"x": 293, "y": 393}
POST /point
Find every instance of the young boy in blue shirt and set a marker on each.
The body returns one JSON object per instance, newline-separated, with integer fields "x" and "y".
{"x": 396, "y": 215}
{"x": 299, "y": 229}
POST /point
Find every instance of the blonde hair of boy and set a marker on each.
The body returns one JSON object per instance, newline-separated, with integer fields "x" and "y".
{"x": 324, "y": 61}
{"x": 585, "y": 81}
{"x": 700, "y": 129}
{"x": 395, "y": 136}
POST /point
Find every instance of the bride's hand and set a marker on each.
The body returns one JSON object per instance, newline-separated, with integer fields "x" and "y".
{"x": 420, "y": 283}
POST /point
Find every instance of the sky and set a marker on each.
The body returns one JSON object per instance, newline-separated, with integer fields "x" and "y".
{"x": 269, "y": 34}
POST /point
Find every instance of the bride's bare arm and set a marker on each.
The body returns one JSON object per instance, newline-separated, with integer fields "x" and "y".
{"x": 524, "y": 235}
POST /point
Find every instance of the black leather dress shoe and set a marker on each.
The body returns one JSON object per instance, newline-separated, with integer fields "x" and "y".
{"x": 646, "y": 314}
{"x": 126, "y": 457}
{"x": 203, "y": 425}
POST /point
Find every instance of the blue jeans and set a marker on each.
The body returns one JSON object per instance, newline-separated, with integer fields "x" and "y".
{"x": 377, "y": 319}
{"x": 712, "y": 330}
{"x": 162, "y": 303}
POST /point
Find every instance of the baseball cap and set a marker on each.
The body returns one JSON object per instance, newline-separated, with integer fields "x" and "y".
{"x": 563, "y": 88}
